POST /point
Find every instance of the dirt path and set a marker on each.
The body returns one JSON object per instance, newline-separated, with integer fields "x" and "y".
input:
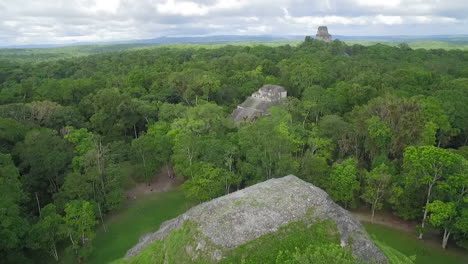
{"x": 165, "y": 181}
{"x": 385, "y": 219}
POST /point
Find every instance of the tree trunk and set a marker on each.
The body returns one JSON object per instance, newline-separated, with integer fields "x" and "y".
{"x": 54, "y": 252}
{"x": 227, "y": 185}
{"x": 38, "y": 204}
{"x": 102, "y": 219}
{"x": 305, "y": 118}
{"x": 425, "y": 211}
{"x": 73, "y": 243}
{"x": 168, "y": 171}
{"x": 373, "y": 212}
{"x": 445, "y": 238}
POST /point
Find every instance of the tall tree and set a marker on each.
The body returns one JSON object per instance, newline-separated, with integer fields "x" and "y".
{"x": 269, "y": 143}
{"x": 153, "y": 150}
{"x": 13, "y": 225}
{"x": 377, "y": 183}
{"x": 80, "y": 221}
{"x": 343, "y": 182}
{"x": 44, "y": 158}
{"x": 448, "y": 214}
{"x": 426, "y": 167}
{"x": 209, "y": 182}
{"x": 48, "y": 231}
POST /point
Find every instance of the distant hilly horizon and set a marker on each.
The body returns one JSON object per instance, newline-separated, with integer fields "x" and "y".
{"x": 220, "y": 39}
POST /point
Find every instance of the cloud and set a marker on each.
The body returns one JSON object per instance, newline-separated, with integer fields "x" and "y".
{"x": 65, "y": 21}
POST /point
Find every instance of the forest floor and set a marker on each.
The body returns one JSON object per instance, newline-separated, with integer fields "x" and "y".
{"x": 402, "y": 235}
{"x": 385, "y": 219}
{"x": 165, "y": 181}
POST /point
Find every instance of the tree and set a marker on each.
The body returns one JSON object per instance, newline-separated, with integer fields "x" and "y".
{"x": 200, "y": 137}
{"x": 427, "y": 166}
{"x": 13, "y": 226}
{"x": 377, "y": 183}
{"x": 448, "y": 214}
{"x": 79, "y": 222}
{"x": 170, "y": 112}
{"x": 379, "y": 139}
{"x": 385, "y": 118}
{"x": 44, "y": 158}
{"x": 343, "y": 183}
{"x": 453, "y": 101}
{"x": 11, "y": 132}
{"x": 268, "y": 145}
{"x": 313, "y": 103}
{"x": 192, "y": 84}
{"x": 442, "y": 215}
{"x": 153, "y": 150}
{"x": 209, "y": 182}
{"x": 333, "y": 127}
{"x": 113, "y": 114}
{"x": 438, "y": 129}
{"x": 314, "y": 165}
{"x": 48, "y": 231}
{"x": 93, "y": 165}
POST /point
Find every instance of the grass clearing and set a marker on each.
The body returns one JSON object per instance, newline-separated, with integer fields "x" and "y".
{"x": 144, "y": 216}
{"x": 409, "y": 245}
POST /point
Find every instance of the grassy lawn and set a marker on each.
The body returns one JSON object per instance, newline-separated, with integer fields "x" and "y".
{"x": 408, "y": 244}
{"x": 144, "y": 216}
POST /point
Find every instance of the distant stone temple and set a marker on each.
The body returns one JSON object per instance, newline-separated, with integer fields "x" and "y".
{"x": 258, "y": 104}
{"x": 323, "y": 35}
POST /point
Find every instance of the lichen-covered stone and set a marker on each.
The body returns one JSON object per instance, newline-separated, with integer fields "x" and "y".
{"x": 237, "y": 218}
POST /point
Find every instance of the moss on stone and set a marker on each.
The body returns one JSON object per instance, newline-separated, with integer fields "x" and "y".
{"x": 187, "y": 245}
{"x": 293, "y": 235}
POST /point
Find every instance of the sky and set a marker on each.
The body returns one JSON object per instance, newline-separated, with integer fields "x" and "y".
{"x": 69, "y": 21}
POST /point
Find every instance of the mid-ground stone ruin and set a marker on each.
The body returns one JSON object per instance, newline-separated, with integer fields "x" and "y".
{"x": 259, "y": 102}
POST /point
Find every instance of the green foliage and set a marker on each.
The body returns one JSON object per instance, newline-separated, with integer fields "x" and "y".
{"x": 377, "y": 183}
{"x": 45, "y": 158}
{"x": 318, "y": 254}
{"x": 426, "y": 167}
{"x": 11, "y": 132}
{"x": 441, "y": 213}
{"x": 79, "y": 129}
{"x": 113, "y": 113}
{"x": 343, "y": 181}
{"x": 268, "y": 145}
{"x": 153, "y": 150}
{"x": 83, "y": 141}
{"x": 209, "y": 182}
{"x": 315, "y": 242}
{"x": 13, "y": 225}
{"x": 48, "y": 231}
{"x": 79, "y": 222}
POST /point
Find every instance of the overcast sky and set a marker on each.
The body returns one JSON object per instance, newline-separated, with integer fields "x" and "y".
{"x": 67, "y": 21}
